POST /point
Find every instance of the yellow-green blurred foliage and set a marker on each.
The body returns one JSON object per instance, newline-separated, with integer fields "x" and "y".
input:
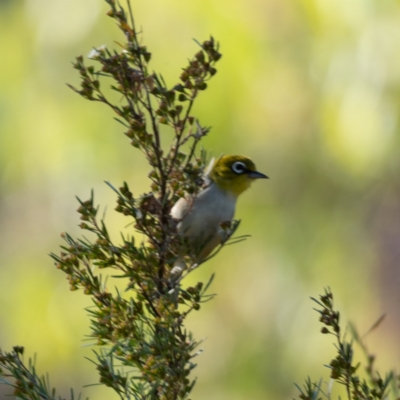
{"x": 309, "y": 89}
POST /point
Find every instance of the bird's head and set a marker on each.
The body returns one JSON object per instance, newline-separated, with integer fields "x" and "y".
{"x": 234, "y": 173}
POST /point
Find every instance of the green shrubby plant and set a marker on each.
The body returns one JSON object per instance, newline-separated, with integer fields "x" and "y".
{"x": 145, "y": 350}
{"x": 360, "y": 380}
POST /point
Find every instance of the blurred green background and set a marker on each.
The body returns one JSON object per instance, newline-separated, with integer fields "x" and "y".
{"x": 309, "y": 89}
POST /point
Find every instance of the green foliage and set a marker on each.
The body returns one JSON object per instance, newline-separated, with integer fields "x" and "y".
{"x": 343, "y": 368}
{"x": 27, "y": 385}
{"x": 145, "y": 333}
{"x": 145, "y": 350}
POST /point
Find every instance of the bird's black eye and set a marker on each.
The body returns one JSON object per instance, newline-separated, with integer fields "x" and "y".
{"x": 238, "y": 167}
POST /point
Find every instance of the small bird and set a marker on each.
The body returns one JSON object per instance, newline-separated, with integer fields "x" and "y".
{"x": 200, "y": 217}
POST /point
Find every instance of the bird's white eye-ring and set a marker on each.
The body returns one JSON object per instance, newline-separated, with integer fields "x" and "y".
{"x": 238, "y": 167}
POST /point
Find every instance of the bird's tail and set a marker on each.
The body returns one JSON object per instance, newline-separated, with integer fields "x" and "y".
{"x": 176, "y": 272}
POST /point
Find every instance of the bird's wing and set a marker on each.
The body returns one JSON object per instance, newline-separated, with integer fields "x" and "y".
{"x": 181, "y": 208}
{"x": 209, "y": 167}
{"x": 207, "y": 172}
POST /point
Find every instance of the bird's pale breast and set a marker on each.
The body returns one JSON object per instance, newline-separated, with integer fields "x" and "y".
{"x": 200, "y": 217}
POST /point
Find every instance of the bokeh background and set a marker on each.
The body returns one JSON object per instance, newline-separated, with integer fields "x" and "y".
{"x": 309, "y": 89}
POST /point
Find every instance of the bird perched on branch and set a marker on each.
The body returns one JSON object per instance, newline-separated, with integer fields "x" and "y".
{"x": 201, "y": 217}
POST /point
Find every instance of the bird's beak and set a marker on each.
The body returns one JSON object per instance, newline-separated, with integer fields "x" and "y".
{"x": 256, "y": 175}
